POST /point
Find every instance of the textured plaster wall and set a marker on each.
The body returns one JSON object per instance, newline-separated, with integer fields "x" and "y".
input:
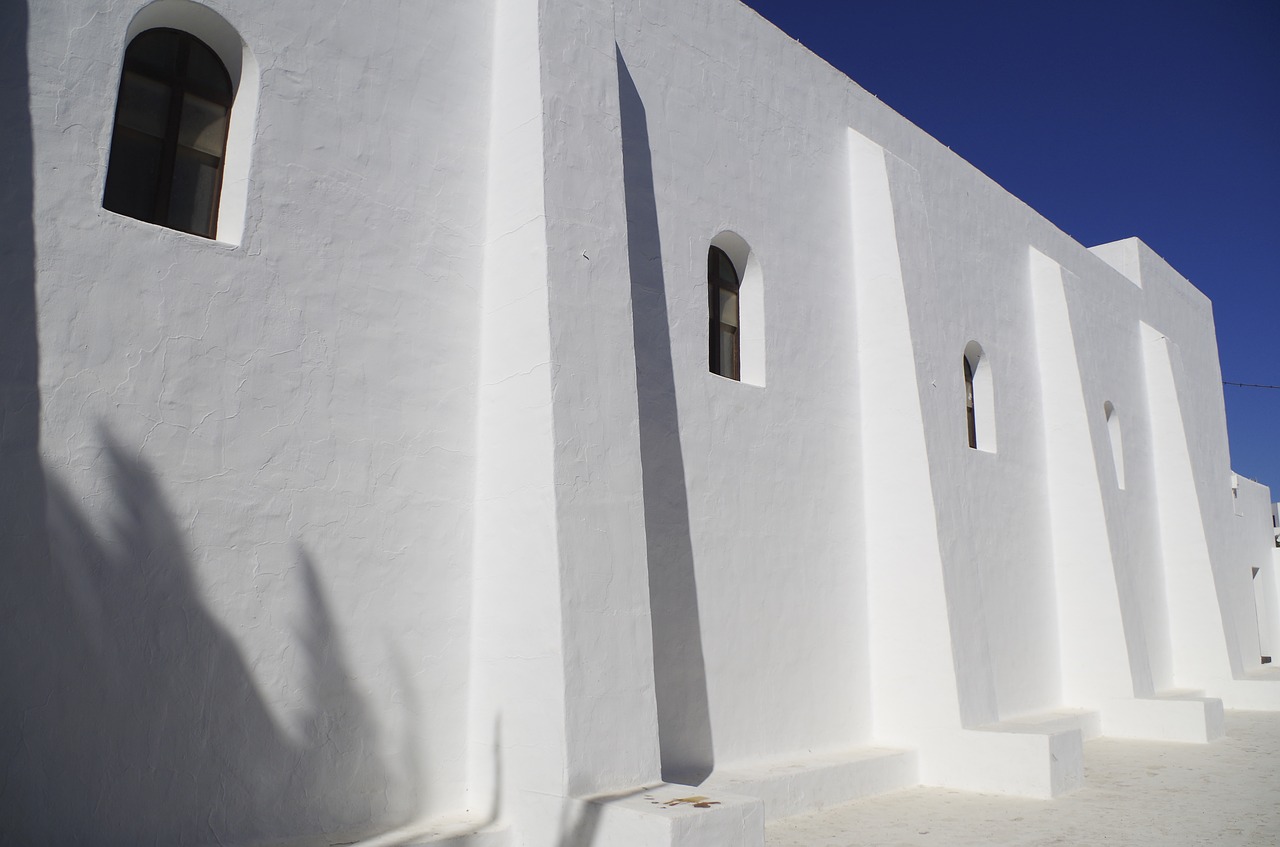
{"x": 260, "y": 456}
{"x": 1267, "y": 600}
{"x": 599, "y": 507}
{"x": 770, "y": 473}
{"x": 770, "y": 121}
{"x": 1106, "y": 320}
{"x": 1209, "y": 640}
{"x": 1254, "y": 557}
{"x": 413, "y": 494}
{"x": 1266, "y": 586}
{"x": 564, "y": 702}
{"x": 969, "y": 283}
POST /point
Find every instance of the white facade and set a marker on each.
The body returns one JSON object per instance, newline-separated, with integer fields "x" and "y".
{"x": 409, "y": 502}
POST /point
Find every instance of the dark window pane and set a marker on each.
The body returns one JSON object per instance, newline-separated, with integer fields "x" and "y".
{"x": 133, "y": 174}
{"x": 206, "y": 73}
{"x": 170, "y": 134}
{"x": 204, "y": 125}
{"x": 156, "y": 52}
{"x": 971, "y": 420}
{"x": 728, "y": 353}
{"x": 144, "y": 104}
{"x": 724, "y": 270}
{"x": 722, "y": 287}
{"x": 195, "y": 181}
{"x": 728, "y": 308}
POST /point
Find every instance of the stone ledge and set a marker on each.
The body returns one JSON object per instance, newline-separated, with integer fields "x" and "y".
{"x": 1039, "y": 756}
{"x": 459, "y": 832}
{"x": 668, "y": 815}
{"x": 1257, "y": 691}
{"x": 1185, "y": 716}
{"x": 793, "y": 786}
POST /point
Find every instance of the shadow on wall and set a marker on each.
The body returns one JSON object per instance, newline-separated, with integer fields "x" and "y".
{"x": 138, "y": 721}
{"x": 680, "y": 676}
{"x": 127, "y": 715}
{"x": 23, "y": 544}
{"x": 582, "y": 833}
{"x": 21, "y": 476}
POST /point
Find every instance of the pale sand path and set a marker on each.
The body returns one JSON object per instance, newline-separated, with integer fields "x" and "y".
{"x": 1135, "y": 793}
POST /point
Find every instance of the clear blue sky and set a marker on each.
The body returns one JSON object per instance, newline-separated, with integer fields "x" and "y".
{"x": 1154, "y": 118}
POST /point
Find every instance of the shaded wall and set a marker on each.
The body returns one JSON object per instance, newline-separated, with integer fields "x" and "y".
{"x": 245, "y": 614}
{"x": 24, "y": 551}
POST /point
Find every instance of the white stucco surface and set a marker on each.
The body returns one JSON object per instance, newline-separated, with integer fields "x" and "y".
{"x": 260, "y": 457}
{"x": 409, "y": 503}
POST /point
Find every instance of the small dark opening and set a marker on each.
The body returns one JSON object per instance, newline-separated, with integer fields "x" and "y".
{"x": 170, "y": 135}
{"x": 724, "y": 354}
{"x": 968, "y": 403}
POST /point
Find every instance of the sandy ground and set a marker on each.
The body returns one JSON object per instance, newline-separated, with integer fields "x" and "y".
{"x": 1135, "y": 793}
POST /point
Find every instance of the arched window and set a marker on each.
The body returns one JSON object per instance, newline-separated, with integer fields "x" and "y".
{"x": 968, "y": 404}
{"x": 1117, "y": 441}
{"x": 722, "y": 290}
{"x": 170, "y": 136}
{"x": 979, "y": 400}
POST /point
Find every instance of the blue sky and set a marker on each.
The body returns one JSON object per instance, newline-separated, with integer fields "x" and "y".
{"x": 1112, "y": 119}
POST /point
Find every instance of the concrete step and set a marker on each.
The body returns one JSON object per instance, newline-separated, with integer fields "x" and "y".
{"x": 667, "y": 815}
{"x": 793, "y": 786}
{"x": 1175, "y": 715}
{"x": 1257, "y": 691}
{"x": 442, "y": 832}
{"x": 1034, "y": 755}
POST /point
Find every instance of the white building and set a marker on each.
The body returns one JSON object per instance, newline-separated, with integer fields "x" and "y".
{"x": 410, "y": 498}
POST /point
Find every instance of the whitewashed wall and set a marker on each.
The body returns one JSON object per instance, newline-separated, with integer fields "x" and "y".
{"x": 1254, "y": 556}
{"x": 770, "y": 473}
{"x": 259, "y": 455}
{"x": 1266, "y": 586}
{"x": 413, "y": 495}
{"x": 1051, "y": 575}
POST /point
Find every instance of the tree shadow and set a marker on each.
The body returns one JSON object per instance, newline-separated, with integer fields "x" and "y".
{"x": 138, "y": 719}
{"x": 680, "y": 677}
{"x": 127, "y": 713}
{"x": 582, "y": 833}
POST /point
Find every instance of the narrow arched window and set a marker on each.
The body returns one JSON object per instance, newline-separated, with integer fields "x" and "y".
{"x": 725, "y": 353}
{"x": 970, "y": 418}
{"x": 979, "y": 399}
{"x": 170, "y": 136}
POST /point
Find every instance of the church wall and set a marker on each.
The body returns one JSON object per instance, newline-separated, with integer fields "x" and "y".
{"x": 967, "y": 281}
{"x": 963, "y": 284}
{"x": 412, "y": 493}
{"x": 1254, "y": 551}
{"x": 964, "y": 246}
{"x": 1216, "y": 635}
{"x": 1106, "y": 309}
{"x": 771, "y": 471}
{"x": 261, "y": 454}
{"x": 1266, "y": 587}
